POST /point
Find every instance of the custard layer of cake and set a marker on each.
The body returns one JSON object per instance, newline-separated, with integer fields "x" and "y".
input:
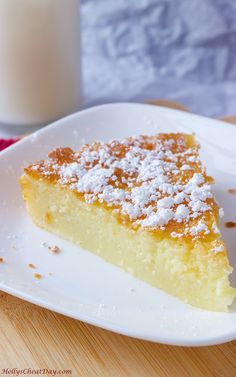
{"x": 144, "y": 204}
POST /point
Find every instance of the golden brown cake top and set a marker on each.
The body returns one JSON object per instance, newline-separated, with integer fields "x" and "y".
{"x": 156, "y": 182}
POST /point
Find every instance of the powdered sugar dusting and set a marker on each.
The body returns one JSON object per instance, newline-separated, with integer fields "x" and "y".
{"x": 200, "y": 227}
{"x": 152, "y": 181}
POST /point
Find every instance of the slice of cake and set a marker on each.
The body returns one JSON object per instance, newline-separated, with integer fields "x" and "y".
{"x": 143, "y": 203}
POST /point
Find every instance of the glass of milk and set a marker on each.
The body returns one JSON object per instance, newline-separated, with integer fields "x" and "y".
{"x": 39, "y": 61}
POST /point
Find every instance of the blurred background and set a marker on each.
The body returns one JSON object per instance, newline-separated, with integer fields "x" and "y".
{"x": 182, "y": 50}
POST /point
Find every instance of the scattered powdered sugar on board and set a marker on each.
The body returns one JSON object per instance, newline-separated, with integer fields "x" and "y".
{"x": 151, "y": 180}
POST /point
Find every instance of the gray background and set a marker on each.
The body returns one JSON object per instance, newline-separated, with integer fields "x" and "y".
{"x": 183, "y": 50}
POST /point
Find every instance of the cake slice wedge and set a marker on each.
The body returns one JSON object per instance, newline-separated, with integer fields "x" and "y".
{"x": 144, "y": 204}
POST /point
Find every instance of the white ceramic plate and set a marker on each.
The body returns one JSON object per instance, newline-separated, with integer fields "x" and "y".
{"x": 82, "y": 285}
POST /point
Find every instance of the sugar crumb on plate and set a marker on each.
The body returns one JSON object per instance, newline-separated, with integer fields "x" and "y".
{"x": 231, "y": 191}
{"x": 54, "y": 249}
{"x": 31, "y": 265}
{"x": 230, "y": 224}
{"x": 37, "y": 276}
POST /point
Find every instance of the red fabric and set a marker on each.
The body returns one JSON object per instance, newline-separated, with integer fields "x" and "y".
{"x": 4, "y": 143}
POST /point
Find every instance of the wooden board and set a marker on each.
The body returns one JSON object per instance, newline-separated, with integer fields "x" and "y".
{"x": 32, "y": 337}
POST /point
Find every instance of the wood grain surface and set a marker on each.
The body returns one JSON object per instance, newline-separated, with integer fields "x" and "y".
{"x": 32, "y": 337}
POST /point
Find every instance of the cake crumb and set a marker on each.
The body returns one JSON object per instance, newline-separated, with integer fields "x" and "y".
{"x": 54, "y": 249}
{"x": 50, "y": 273}
{"x": 31, "y": 265}
{"x": 231, "y": 191}
{"x": 13, "y": 247}
{"x": 1, "y": 260}
{"x": 38, "y": 276}
{"x": 230, "y": 224}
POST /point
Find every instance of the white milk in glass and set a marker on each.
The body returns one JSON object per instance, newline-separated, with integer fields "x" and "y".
{"x": 39, "y": 61}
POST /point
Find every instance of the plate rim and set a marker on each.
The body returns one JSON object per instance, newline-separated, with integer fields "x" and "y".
{"x": 108, "y": 105}
{"x": 98, "y": 322}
